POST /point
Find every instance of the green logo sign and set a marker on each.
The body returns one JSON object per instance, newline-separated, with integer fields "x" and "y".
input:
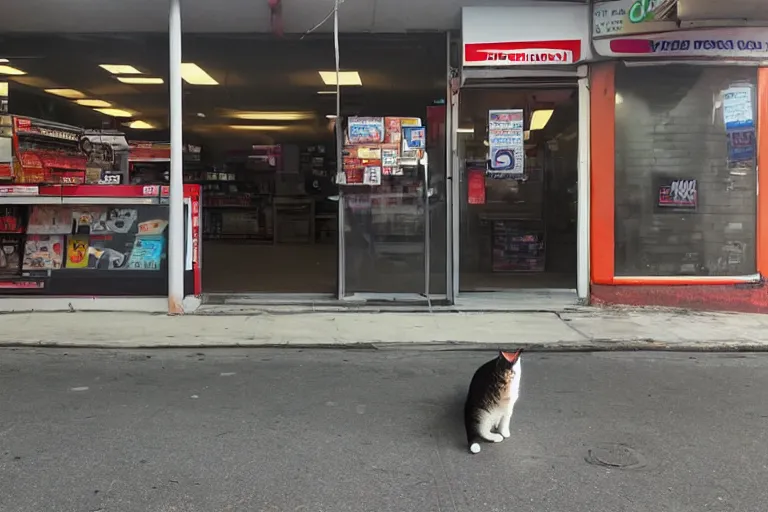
{"x": 640, "y": 10}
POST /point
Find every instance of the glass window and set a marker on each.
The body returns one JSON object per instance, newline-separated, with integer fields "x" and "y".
{"x": 686, "y": 180}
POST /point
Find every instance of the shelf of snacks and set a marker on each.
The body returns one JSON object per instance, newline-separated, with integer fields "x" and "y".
{"x": 518, "y": 245}
{"x": 45, "y": 152}
{"x": 92, "y": 239}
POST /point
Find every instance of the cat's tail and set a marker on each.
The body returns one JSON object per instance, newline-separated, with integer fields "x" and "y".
{"x": 473, "y": 435}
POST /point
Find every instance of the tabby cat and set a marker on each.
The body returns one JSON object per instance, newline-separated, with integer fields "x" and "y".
{"x": 493, "y": 392}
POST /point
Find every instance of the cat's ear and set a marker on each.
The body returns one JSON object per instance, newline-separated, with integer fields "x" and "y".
{"x": 511, "y": 357}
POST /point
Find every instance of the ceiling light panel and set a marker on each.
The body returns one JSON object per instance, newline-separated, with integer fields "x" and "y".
{"x": 114, "y": 112}
{"x": 195, "y": 75}
{"x": 10, "y": 70}
{"x": 94, "y": 103}
{"x": 258, "y": 128}
{"x": 70, "y": 94}
{"x": 274, "y": 116}
{"x": 141, "y": 125}
{"x": 346, "y": 78}
{"x": 120, "y": 69}
{"x": 140, "y": 80}
{"x": 540, "y": 118}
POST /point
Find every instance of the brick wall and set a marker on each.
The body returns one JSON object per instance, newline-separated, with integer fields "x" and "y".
{"x": 669, "y": 123}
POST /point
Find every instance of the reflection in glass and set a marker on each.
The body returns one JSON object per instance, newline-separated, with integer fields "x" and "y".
{"x": 685, "y": 171}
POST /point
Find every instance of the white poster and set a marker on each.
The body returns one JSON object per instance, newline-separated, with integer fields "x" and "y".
{"x": 506, "y": 143}
{"x": 737, "y": 108}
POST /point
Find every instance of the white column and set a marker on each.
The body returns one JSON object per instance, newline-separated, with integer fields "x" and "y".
{"x": 582, "y": 244}
{"x": 176, "y": 206}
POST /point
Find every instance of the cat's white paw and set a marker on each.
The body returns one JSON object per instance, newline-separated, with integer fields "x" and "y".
{"x": 505, "y": 433}
{"x": 496, "y": 438}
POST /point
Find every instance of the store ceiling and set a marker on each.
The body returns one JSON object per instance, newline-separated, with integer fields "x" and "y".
{"x": 401, "y": 75}
{"x": 232, "y": 16}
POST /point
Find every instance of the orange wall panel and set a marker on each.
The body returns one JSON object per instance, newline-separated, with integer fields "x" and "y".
{"x": 762, "y": 171}
{"x": 602, "y": 140}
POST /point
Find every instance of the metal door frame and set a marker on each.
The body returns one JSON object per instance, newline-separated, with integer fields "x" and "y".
{"x": 522, "y": 78}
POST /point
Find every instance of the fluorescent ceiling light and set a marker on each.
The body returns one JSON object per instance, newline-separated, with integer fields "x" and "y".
{"x": 540, "y": 118}
{"x": 3, "y": 60}
{"x": 345, "y": 77}
{"x": 120, "y": 69}
{"x": 258, "y": 128}
{"x": 140, "y": 80}
{"x": 274, "y": 116}
{"x": 114, "y": 112}
{"x": 331, "y": 116}
{"x": 465, "y": 130}
{"x": 94, "y": 103}
{"x": 9, "y": 70}
{"x": 619, "y": 99}
{"x": 70, "y": 94}
{"x": 141, "y": 125}
{"x": 326, "y": 92}
{"x": 195, "y": 75}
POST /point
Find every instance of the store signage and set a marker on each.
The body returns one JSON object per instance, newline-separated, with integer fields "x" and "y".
{"x": 622, "y": 17}
{"x": 529, "y": 53}
{"x": 738, "y": 43}
{"x": 476, "y": 186}
{"x": 24, "y": 125}
{"x": 19, "y": 190}
{"x": 195, "y": 230}
{"x": 22, "y": 285}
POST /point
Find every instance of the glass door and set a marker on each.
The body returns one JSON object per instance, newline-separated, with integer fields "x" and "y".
{"x": 517, "y": 228}
{"x": 393, "y": 239}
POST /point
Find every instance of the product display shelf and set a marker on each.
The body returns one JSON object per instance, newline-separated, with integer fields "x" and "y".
{"x": 93, "y": 239}
{"x": 397, "y": 214}
{"x": 46, "y": 152}
{"x": 238, "y": 200}
{"x": 518, "y": 245}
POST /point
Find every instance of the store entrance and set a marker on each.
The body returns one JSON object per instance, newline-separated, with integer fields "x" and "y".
{"x": 273, "y": 221}
{"x": 518, "y": 216}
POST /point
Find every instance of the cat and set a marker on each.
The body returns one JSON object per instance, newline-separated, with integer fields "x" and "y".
{"x": 494, "y": 389}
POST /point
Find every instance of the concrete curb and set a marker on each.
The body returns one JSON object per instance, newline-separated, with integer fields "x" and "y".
{"x": 458, "y": 346}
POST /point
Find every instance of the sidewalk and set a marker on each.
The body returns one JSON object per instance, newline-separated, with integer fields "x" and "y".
{"x": 583, "y": 329}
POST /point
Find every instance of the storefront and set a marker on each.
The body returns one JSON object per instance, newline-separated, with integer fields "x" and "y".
{"x": 678, "y": 121}
{"x": 606, "y": 166}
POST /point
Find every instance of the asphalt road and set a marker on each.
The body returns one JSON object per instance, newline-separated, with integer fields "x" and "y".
{"x": 363, "y": 431}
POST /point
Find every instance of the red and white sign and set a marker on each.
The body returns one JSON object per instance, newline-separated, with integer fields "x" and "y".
{"x": 19, "y": 190}
{"x": 528, "y": 53}
{"x": 541, "y": 34}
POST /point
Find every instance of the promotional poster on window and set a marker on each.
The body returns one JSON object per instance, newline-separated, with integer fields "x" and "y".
{"x": 506, "y": 144}
{"x": 676, "y": 194}
{"x": 95, "y": 237}
{"x": 739, "y": 121}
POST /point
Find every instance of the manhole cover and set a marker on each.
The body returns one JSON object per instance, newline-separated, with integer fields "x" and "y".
{"x": 616, "y": 456}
